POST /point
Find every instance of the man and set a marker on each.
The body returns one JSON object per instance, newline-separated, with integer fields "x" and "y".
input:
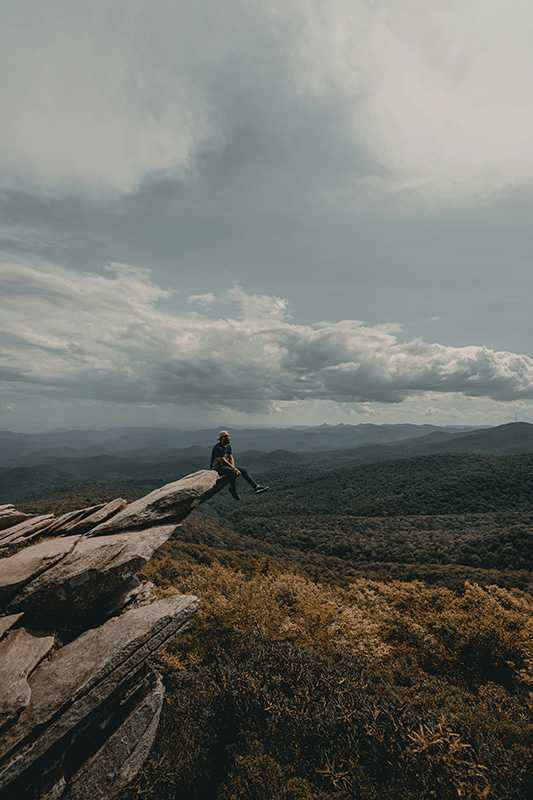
{"x": 223, "y": 462}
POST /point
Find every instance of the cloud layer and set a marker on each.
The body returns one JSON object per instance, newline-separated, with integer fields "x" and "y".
{"x": 109, "y": 337}
{"x": 415, "y": 97}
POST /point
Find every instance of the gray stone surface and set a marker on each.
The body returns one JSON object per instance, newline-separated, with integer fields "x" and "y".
{"x": 62, "y": 523}
{"x": 170, "y": 503}
{"x": 9, "y": 516}
{"x": 141, "y": 595}
{"x": 26, "y": 528}
{"x": 14, "y": 545}
{"x": 78, "y": 677}
{"x": 20, "y": 652}
{"x": 90, "y": 576}
{"x": 7, "y": 622}
{"x": 97, "y": 517}
{"x": 19, "y": 569}
{"x": 123, "y": 754}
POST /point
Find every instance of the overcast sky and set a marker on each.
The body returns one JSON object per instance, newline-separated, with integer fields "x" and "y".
{"x": 241, "y": 212}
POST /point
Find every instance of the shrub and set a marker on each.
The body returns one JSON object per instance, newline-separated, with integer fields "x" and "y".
{"x": 290, "y": 689}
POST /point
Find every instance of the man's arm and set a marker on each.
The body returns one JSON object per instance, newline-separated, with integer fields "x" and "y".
{"x": 230, "y": 462}
{"x": 232, "y": 459}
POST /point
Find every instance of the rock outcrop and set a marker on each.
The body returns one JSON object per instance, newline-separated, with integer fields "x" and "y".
{"x": 80, "y": 703}
{"x": 171, "y": 502}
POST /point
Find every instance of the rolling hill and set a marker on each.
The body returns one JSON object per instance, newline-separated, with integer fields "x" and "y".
{"x": 36, "y": 473}
{"x": 17, "y": 449}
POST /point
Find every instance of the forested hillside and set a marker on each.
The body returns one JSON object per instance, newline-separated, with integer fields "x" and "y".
{"x": 441, "y": 484}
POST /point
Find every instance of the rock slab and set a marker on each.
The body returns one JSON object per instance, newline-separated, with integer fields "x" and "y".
{"x": 123, "y": 754}
{"x": 171, "y": 503}
{"x": 9, "y": 516}
{"x": 67, "y": 687}
{"x": 63, "y": 523}
{"x": 19, "y": 569}
{"x": 100, "y": 515}
{"x": 79, "y": 586}
{"x": 20, "y": 652}
{"x": 26, "y": 528}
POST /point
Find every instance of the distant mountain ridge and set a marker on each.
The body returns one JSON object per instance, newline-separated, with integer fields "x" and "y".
{"x": 35, "y": 473}
{"x": 120, "y": 440}
{"x": 24, "y": 448}
{"x": 513, "y": 437}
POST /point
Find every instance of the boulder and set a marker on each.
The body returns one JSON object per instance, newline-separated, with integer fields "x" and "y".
{"x": 93, "y": 577}
{"x": 170, "y": 503}
{"x": 20, "y": 652}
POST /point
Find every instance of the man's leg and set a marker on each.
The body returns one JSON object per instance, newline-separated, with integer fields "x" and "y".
{"x": 248, "y": 478}
{"x": 227, "y": 472}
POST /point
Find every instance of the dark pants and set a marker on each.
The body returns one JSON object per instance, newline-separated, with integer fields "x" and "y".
{"x": 227, "y": 472}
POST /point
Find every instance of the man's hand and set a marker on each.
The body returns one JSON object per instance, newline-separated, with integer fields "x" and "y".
{"x": 230, "y": 462}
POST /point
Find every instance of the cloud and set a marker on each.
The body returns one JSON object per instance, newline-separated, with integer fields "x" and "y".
{"x": 409, "y": 99}
{"x": 245, "y": 305}
{"x": 257, "y": 306}
{"x": 107, "y": 337}
{"x": 206, "y": 299}
{"x": 89, "y": 103}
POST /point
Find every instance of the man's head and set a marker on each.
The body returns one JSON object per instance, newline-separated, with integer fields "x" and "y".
{"x": 223, "y": 437}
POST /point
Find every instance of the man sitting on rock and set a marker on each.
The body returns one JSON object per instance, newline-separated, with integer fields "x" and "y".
{"x": 223, "y": 462}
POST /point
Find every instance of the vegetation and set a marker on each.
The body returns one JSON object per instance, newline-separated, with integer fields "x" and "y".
{"x": 481, "y": 540}
{"x": 205, "y": 539}
{"x": 367, "y": 635}
{"x": 287, "y": 688}
{"x": 445, "y": 484}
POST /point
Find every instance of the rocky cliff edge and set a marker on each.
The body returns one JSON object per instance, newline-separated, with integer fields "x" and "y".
{"x": 80, "y": 703}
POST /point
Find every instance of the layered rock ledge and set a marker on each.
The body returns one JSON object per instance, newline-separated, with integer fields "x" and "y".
{"x": 80, "y": 704}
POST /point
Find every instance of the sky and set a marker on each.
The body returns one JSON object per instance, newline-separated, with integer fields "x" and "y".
{"x": 265, "y": 213}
